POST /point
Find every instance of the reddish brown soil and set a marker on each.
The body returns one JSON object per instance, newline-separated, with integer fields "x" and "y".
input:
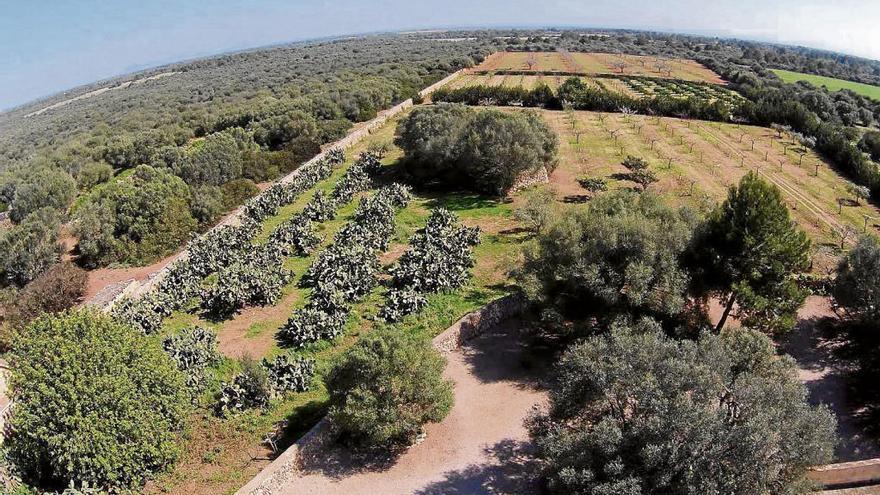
{"x": 102, "y": 277}
{"x": 233, "y": 338}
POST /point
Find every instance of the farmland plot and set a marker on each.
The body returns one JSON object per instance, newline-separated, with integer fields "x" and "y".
{"x": 697, "y": 161}
{"x": 599, "y": 63}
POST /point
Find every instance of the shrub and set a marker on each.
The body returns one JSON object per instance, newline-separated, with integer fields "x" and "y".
{"x": 92, "y": 174}
{"x": 296, "y": 236}
{"x": 206, "y": 205}
{"x": 385, "y": 388}
{"x": 635, "y": 412}
{"x": 144, "y": 313}
{"x": 402, "y": 302}
{"x": 30, "y": 248}
{"x": 236, "y": 192}
{"x": 321, "y": 208}
{"x": 42, "y": 188}
{"x": 194, "y": 350}
{"x": 267, "y": 203}
{"x": 58, "y": 288}
{"x": 537, "y": 208}
{"x": 621, "y": 254}
{"x": 857, "y": 286}
{"x": 289, "y": 374}
{"x": 485, "y": 151}
{"x": 593, "y": 184}
{"x": 249, "y": 389}
{"x": 439, "y": 256}
{"x": 95, "y": 403}
{"x": 314, "y": 322}
{"x": 212, "y": 162}
{"x": 257, "y": 279}
{"x": 137, "y": 218}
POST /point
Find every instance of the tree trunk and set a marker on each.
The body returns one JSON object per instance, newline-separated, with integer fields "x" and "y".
{"x": 724, "y": 315}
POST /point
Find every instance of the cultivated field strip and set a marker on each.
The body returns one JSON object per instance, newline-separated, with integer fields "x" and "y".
{"x": 597, "y": 63}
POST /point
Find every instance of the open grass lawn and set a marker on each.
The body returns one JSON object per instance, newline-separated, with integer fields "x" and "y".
{"x": 697, "y": 161}
{"x": 829, "y": 82}
{"x": 222, "y": 455}
{"x": 600, "y": 63}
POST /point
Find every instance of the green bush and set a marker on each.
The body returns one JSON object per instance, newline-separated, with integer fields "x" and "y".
{"x": 30, "y": 248}
{"x": 451, "y": 146}
{"x": 135, "y": 219}
{"x": 857, "y": 286}
{"x": 44, "y": 187}
{"x": 636, "y": 412}
{"x": 621, "y": 254}
{"x": 385, "y": 388}
{"x": 236, "y": 192}
{"x": 95, "y": 403}
{"x": 92, "y": 174}
{"x": 250, "y": 389}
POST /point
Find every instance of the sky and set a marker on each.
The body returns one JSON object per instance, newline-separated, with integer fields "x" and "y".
{"x": 47, "y": 46}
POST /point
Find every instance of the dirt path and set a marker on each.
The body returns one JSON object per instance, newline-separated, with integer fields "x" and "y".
{"x": 479, "y": 448}
{"x": 828, "y": 377}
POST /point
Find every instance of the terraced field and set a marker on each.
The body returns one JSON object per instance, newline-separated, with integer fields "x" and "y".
{"x": 223, "y": 454}
{"x": 599, "y": 63}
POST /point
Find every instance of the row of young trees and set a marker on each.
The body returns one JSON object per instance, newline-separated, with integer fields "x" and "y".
{"x": 576, "y": 94}
{"x": 649, "y": 395}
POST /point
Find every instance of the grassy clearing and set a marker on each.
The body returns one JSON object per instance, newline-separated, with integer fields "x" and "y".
{"x": 222, "y": 455}
{"x": 829, "y": 82}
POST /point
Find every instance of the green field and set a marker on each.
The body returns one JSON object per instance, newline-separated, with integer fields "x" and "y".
{"x": 829, "y": 82}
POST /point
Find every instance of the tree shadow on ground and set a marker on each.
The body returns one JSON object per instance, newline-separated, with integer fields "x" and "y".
{"x": 458, "y": 201}
{"x": 837, "y": 374}
{"x": 576, "y": 198}
{"x": 501, "y": 354}
{"x": 511, "y": 470}
{"x": 324, "y": 454}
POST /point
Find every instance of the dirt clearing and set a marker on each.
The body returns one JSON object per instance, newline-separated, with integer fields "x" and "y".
{"x": 481, "y": 447}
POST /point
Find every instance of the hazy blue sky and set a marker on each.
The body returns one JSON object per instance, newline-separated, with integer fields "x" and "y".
{"x": 51, "y": 45}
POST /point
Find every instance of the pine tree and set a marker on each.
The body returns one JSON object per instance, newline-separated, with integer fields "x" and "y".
{"x": 748, "y": 253}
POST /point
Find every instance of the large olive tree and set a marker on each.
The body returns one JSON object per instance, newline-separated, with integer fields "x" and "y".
{"x": 635, "y": 412}
{"x": 451, "y": 146}
{"x": 620, "y": 254}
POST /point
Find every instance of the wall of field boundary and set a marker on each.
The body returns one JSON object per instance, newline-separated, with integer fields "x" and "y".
{"x": 847, "y": 474}
{"x": 137, "y": 288}
{"x": 270, "y": 480}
